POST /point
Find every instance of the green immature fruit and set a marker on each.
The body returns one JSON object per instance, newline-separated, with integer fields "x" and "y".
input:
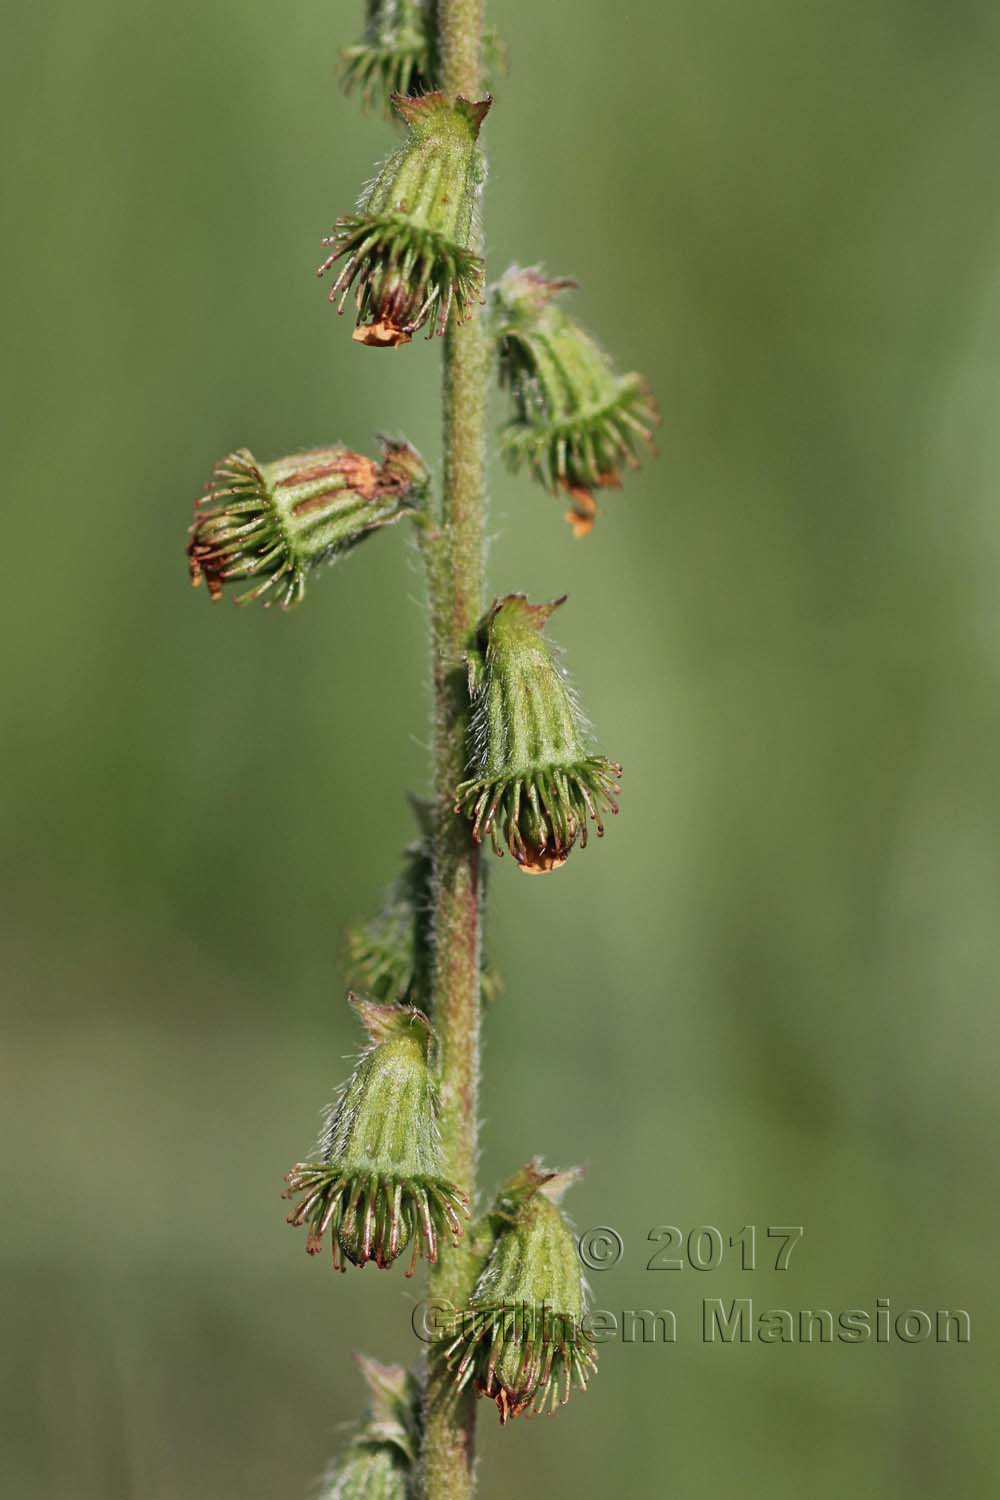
{"x": 394, "y": 1406}
{"x": 410, "y": 251}
{"x": 396, "y": 53}
{"x": 272, "y": 524}
{"x": 576, "y": 422}
{"x": 391, "y": 955}
{"x": 522, "y": 1339}
{"x": 399, "y": 53}
{"x": 535, "y": 784}
{"x": 369, "y": 1471}
{"x": 380, "y": 1461}
{"x": 379, "y": 1186}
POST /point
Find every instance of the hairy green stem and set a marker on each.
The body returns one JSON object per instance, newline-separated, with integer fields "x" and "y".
{"x": 454, "y": 554}
{"x": 460, "y": 33}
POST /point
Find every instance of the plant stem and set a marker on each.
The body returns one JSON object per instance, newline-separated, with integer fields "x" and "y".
{"x": 455, "y": 582}
{"x": 460, "y": 35}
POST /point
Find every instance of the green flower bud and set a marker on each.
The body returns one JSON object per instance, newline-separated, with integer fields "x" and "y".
{"x": 576, "y": 421}
{"x": 379, "y": 1184}
{"x": 273, "y": 523}
{"x": 396, "y": 54}
{"x": 379, "y": 1463}
{"x": 399, "y": 53}
{"x": 409, "y": 251}
{"x": 521, "y": 1340}
{"x": 369, "y": 1471}
{"x": 394, "y": 1406}
{"x": 535, "y": 784}
{"x": 390, "y": 955}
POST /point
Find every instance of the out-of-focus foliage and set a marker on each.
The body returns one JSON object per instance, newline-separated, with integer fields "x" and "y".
{"x": 781, "y": 964}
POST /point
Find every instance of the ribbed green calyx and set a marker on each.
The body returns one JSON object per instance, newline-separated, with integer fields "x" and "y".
{"x": 526, "y": 714}
{"x": 575, "y": 420}
{"x": 385, "y": 1118}
{"x": 379, "y": 1462}
{"x": 274, "y": 523}
{"x": 535, "y": 785}
{"x": 396, "y": 54}
{"x": 521, "y": 1340}
{"x": 410, "y": 251}
{"x": 379, "y": 1183}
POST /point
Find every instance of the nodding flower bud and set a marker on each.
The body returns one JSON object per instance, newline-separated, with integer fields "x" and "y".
{"x": 521, "y": 1340}
{"x": 381, "y": 1459}
{"x": 396, "y": 54}
{"x": 379, "y": 1184}
{"x": 409, "y": 251}
{"x": 534, "y": 784}
{"x": 273, "y": 523}
{"x": 576, "y": 421}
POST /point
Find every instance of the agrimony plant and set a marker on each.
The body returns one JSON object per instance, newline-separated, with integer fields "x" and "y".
{"x": 393, "y": 1175}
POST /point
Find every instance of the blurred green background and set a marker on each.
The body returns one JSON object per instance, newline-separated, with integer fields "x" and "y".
{"x": 769, "y": 996}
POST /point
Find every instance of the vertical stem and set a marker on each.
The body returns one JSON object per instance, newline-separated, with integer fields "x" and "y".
{"x": 460, "y": 33}
{"x": 455, "y": 579}
{"x": 455, "y": 557}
